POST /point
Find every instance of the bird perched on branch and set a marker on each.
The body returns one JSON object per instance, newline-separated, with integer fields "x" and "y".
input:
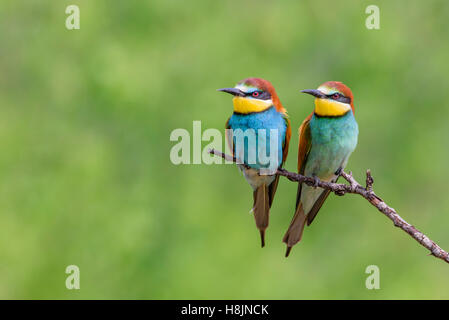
{"x": 259, "y": 138}
{"x": 327, "y": 137}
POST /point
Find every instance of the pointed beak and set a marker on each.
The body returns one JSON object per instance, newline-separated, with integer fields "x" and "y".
{"x": 315, "y": 93}
{"x": 233, "y": 91}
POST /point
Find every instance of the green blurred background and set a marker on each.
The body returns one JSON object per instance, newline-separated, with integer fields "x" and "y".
{"x": 85, "y": 173}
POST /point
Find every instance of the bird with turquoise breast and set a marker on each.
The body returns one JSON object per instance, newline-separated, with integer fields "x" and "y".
{"x": 258, "y": 126}
{"x": 327, "y": 137}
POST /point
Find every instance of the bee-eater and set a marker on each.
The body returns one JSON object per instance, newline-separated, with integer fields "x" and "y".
{"x": 327, "y": 137}
{"x": 256, "y": 107}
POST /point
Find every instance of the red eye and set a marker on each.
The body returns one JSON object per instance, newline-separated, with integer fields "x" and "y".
{"x": 255, "y": 94}
{"x": 335, "y": 96}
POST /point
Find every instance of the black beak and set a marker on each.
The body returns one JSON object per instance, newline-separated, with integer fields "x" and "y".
{"x": 233, "y": 91}
{"x": 315, "y": 93}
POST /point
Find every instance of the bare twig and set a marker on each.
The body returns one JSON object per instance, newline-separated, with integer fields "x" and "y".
{"x": 366, "y": 192}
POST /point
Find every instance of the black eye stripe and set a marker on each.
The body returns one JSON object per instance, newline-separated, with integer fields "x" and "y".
{"x": 249, "y": 94}
{"x": 263, "y": 95}
{"x": 341, "y": 98}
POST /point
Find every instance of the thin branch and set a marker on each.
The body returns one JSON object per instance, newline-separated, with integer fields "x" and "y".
{"x": 366, "y": 192}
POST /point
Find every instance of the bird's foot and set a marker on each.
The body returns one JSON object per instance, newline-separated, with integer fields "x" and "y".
{"x": 316, "y": 181}
{"x": 339, "y": 171}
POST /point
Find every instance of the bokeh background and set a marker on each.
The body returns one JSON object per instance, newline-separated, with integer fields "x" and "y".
{"x": 85, "y": 173}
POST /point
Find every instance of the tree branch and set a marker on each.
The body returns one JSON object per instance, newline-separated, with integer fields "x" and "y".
{"x": 366, "y": 192}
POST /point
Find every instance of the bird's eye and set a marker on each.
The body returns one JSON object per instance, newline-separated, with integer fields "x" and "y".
{"x": 255, "y": 94}
{"x": 335, "y": 96}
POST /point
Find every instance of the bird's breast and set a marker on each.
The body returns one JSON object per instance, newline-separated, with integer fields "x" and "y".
{"x": 258, "y": 135}
{"x": 333, "y": 140}
{"x": 337, "y": 132}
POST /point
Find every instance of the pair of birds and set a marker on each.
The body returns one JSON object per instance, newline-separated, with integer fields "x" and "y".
{"x": 327, "y": 137}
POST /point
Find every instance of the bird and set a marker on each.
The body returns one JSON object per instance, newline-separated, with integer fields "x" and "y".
{"x": 327, "y": 137}
{"x": 257, "y": 106}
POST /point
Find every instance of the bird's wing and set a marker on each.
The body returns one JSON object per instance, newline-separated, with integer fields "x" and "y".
{"x": 273, "y": 186}
{"x": 288, "y": 134}
{"x": 296, "y": 228}
{"x": 305, "y": 144}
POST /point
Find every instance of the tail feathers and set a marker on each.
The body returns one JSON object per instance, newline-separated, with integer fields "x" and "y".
{"x": 261, "y": 209}
{"x": 295, "y": 230}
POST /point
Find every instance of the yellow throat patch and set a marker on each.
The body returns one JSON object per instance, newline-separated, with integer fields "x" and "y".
{"x": 330, "y": 108}
{"x": 247, "y": 105}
